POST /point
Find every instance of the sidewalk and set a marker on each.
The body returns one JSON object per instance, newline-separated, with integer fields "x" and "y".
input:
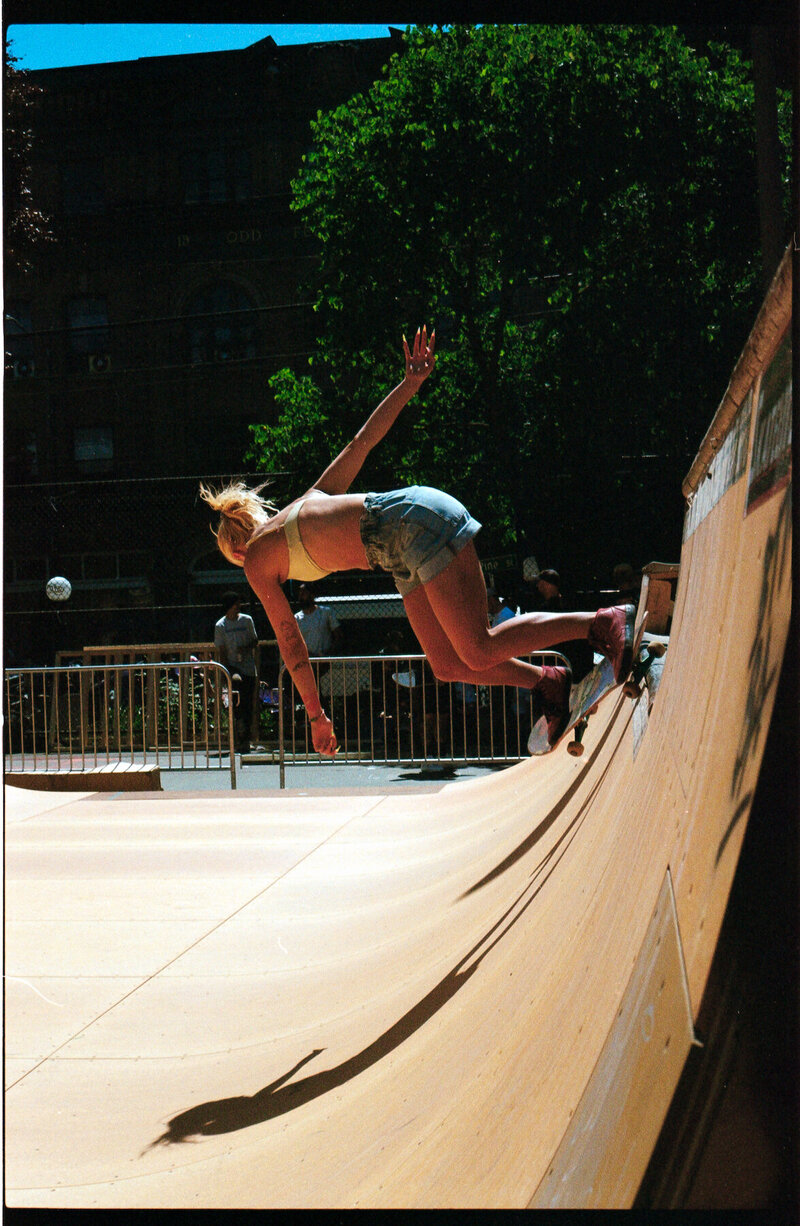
{"x": 346, "y": 776}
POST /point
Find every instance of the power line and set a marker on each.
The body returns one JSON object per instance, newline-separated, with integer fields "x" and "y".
{"x": 43, "y": 485}
{"x": 160, "y": 319}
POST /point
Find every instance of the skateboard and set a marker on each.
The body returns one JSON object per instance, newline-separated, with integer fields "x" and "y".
{"x": 648, "y": 667}
{"x": 584, "y": 699}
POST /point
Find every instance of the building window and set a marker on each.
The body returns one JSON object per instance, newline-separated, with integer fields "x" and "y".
{"x": 18, "y": 332}
{"x": 83, "y": 187}
{"x": 221, "y": 324}
{"x": 93, "y": 448}
{"x": 21, "y": 453}
{"x": 212, "y": 176}
{"x": 88, "y": 326}
{"x": 126, "y": 565}
{"x": 24, "y": 569}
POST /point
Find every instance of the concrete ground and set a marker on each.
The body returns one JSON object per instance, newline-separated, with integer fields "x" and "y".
{"x": 263, "y": 776}
{"x": 254, "y": 772}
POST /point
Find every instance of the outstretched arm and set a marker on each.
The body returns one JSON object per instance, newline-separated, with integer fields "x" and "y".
{"x": 420, "y": 361}
{"x": 294, "y": 652}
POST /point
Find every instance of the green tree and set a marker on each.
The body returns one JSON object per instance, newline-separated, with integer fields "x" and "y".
{"x": 574, "y": 210}
{"x": 26, "y": 226}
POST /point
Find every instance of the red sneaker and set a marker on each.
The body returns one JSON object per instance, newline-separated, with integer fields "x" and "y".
{"x": 612, "y": 635}
{"x": 551, "y": 700}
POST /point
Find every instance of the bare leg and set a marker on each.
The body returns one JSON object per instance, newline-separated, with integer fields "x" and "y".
{"x": 444, "y": 661}
{"x": 457, "y": 598}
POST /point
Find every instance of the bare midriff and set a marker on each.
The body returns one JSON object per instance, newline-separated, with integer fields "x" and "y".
{"x": 330, "y": 530}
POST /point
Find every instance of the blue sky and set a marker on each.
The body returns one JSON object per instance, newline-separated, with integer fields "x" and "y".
{"x": 60, "y": 46}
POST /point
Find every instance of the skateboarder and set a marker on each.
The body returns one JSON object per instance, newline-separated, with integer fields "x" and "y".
{"x": 424, "y": 538}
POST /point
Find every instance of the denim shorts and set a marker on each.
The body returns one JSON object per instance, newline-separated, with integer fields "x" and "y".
{"x": 414, "y": 533}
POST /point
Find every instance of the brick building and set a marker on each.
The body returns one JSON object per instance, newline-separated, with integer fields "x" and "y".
{"x": 139, "y": 347}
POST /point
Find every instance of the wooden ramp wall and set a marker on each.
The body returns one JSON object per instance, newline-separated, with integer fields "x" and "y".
{"x": 477, "y": 997}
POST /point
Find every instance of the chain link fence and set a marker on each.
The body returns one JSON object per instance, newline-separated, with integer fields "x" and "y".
{"x": 140, "y": 561}
{"x": 142, "y": 568}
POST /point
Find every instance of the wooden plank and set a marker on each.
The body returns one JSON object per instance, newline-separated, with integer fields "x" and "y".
{"x": 116, "y": 776}
{"x": 658, "y": 593}
{"x": 612, "y": 1133}
{"x": 770, "y": 324}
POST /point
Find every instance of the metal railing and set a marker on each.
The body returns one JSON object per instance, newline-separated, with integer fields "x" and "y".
{"x": 175, "y": 714}
{"x": 386, "y": 709}
{"x": 391, "y": 709}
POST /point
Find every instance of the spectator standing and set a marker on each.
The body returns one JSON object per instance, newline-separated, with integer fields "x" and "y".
{"x": 547, "y": 595}
{"x": 318, "y": 624}
{"x": 321, "y": 631}
{"x": 627, "y": 583}
{"x": 235, "y": 641}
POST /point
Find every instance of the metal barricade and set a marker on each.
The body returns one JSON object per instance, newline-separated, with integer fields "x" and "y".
{"x": 386, "y": 710}
{"x": 391, "y": 709}
{"x": 177, "y": 714}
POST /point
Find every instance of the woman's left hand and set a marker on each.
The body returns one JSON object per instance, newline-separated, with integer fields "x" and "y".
{"x": 421, "y": 359}
{"x": 323, "y": 736}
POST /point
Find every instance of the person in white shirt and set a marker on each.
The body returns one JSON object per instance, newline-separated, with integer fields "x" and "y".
{"x": 235, "y": 641}
{"x": 318, "y": 624}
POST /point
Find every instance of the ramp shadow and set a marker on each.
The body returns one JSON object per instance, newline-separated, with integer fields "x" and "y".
{"x": 283, "y": 1095}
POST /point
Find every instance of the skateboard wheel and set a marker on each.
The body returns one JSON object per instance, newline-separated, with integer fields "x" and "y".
{"x": 658, "y": 650}
{"x": 575, "y": 748}
{"x": 630, "y": 689}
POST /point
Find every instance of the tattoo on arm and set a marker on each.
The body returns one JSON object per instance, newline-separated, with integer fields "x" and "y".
{"x": 293, "y": 647}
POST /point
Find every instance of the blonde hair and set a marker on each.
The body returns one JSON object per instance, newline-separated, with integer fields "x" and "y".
{"x": 241, "y": 510}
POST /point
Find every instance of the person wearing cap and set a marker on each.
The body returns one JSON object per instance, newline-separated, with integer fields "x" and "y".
{"x": 627, "y": 582}
{"x": 548, "y": 590}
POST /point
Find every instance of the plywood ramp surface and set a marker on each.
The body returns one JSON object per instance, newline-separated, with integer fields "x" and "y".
{"x": 480, "y": 997}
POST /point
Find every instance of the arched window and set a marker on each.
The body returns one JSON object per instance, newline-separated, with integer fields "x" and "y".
{"x": 220, "y": 324}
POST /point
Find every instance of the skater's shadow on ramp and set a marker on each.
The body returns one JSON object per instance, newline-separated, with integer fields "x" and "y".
{"x": 278, "y": 1098}
{"x": 281, "y": 1096}
{"x": 541, "y": 830}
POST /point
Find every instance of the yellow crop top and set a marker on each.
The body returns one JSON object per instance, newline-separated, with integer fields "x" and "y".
{"x": 301, "y": 566}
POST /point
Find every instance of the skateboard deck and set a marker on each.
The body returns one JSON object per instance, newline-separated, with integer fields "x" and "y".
{"x": 584, "y": 699}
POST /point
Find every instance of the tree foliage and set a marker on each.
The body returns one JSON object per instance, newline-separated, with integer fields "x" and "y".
{"x": 26, "y": 227}
{"x": 574, "y": 210}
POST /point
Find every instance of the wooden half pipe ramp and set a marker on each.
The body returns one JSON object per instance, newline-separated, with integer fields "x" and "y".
{"x": 478, "y": 997}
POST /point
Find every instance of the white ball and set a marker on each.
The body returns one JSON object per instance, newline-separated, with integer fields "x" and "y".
{"x": 59, "y": 588}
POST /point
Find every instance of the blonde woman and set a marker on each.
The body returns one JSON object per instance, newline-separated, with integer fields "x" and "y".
{"x": 425, "y": 539}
